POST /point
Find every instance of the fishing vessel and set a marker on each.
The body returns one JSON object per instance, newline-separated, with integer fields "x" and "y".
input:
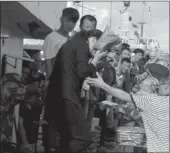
{"x": 131, "y": 32}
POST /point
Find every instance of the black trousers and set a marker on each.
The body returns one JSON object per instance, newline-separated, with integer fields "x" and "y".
{"x": 71, "y": 125}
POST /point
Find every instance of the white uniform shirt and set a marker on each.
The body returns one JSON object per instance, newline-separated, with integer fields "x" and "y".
{"x": 52, "y": 44}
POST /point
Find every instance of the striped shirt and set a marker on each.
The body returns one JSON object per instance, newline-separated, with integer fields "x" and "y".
{"x": 155, "y": 115}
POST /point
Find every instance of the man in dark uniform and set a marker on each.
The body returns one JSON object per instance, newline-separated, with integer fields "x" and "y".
{"x": 63, "y": 94}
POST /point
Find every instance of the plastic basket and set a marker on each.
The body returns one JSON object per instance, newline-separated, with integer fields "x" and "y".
{"x": 134, "y": 135}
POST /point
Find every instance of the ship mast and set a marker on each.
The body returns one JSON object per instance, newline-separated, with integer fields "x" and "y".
{"x": 125, "y": 22}
{"x": 150, "y": 27}
{"x": 142, "y": 22}
{"x": 110, "y": 14}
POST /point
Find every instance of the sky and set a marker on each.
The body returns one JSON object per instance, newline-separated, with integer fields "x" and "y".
{"x": 159, "y": 17}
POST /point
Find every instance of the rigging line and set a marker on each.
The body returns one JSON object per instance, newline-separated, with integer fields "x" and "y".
{"x": 143, "y": 9}
{"x": 150, "y": 19}
{"x": 110, "y": 14}
{"x": 82, "y": 9}
{"x": 39, "y": 12}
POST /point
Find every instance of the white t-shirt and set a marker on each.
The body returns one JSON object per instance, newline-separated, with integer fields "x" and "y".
{"x": 52, "y": 44}
{"x": 155, "y": 116}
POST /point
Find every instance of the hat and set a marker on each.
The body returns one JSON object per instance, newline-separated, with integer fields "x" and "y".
{"x": 158, "y": 69}
{"x": 138, "y": 50}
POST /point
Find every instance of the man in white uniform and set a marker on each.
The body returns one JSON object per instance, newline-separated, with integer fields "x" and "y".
{"x": 57, "y": 38}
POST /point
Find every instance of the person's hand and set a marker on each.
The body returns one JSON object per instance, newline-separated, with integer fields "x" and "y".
{"x": 107, "y": 104}
{"x": 42, "y": 122}
{"x": 136, "y": 88}
{"x": 141, "y": 77}
{"x": 120, "y": 82}
{"x": 135, "y": 114}
{"x": 109, "y": 97}
{"x": 86, "y": 86}
{"x": 95, "y": 82}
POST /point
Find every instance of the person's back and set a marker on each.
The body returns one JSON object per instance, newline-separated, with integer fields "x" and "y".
{"x": 65, "y": 80}
{"x": 63, "y": 103}
{"x": 52, "y": 44}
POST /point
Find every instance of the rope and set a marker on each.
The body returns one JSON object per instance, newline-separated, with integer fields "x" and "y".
{"x": 39, "y": 12}
{"x": 158, "y": 54}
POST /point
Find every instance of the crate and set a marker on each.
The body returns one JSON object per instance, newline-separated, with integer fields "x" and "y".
{"x": 131, "y": 135}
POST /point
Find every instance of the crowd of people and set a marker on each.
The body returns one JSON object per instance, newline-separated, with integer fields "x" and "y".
{"x": 78, "y": 74}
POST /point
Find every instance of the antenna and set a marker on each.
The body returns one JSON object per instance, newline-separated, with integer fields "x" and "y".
{"x": 150, "y": 22}
{"x": 142, "y": 23}
{"x": 110, "y": 14}
{"x": 125, "y": 31}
